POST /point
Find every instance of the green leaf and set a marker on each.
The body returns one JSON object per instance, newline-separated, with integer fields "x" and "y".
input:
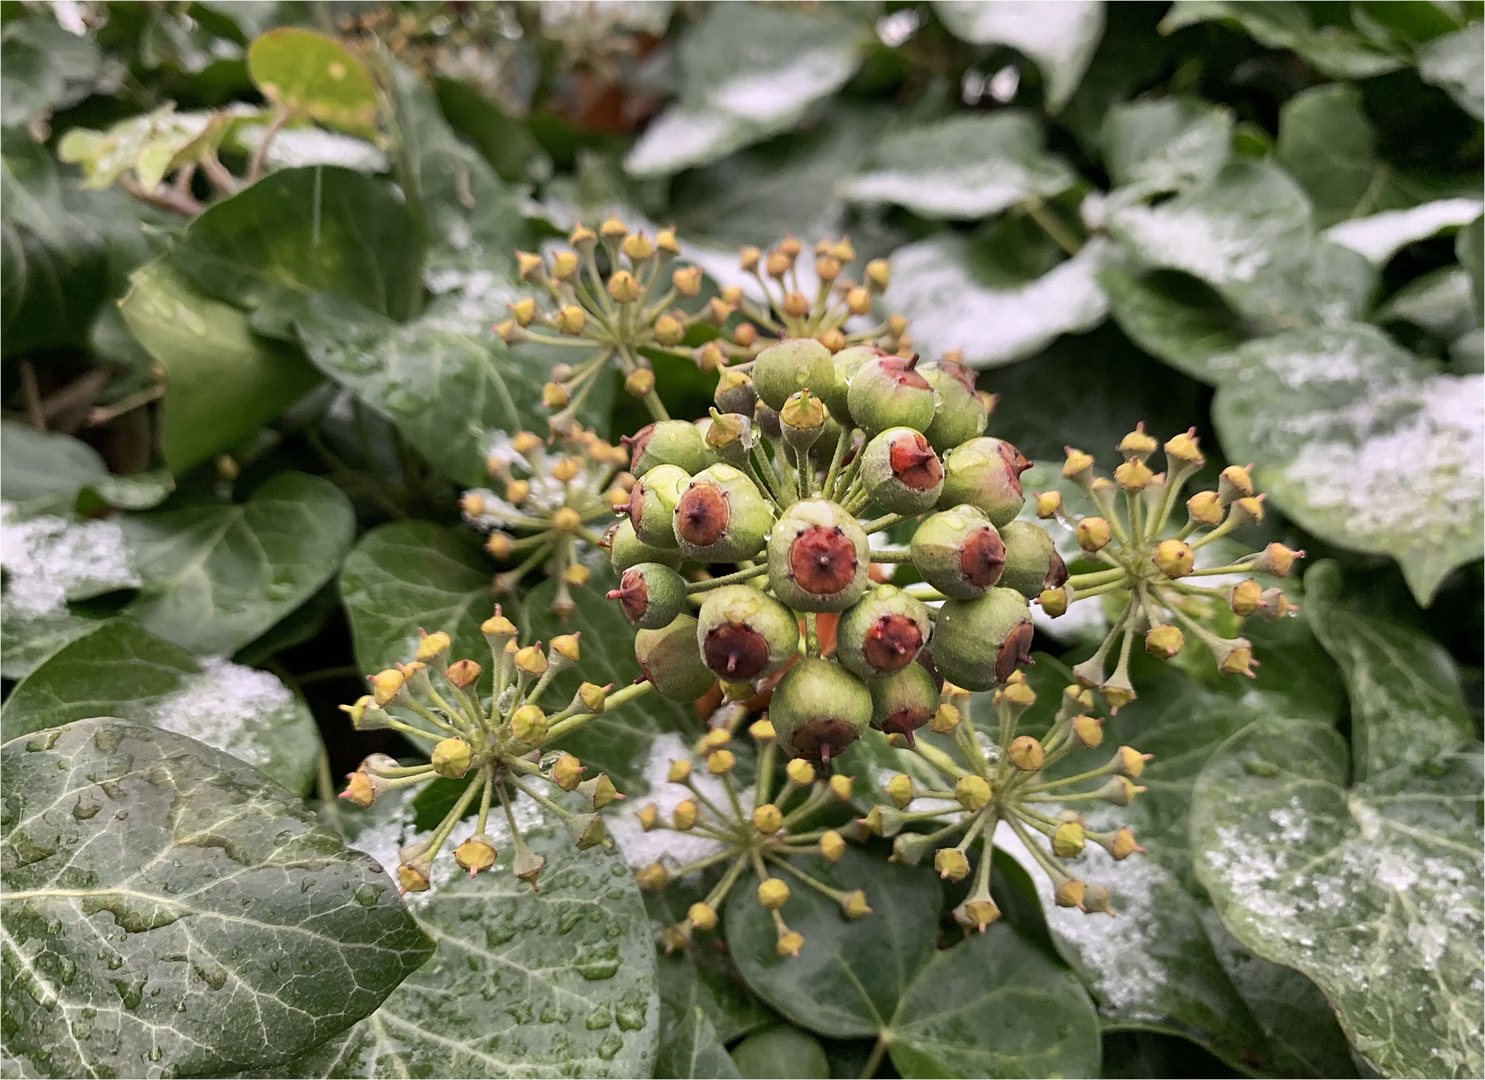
{"x": 693, "y": 1050}
{"x": 963, "y": 167}
{"x": 559, "y": 982}
{"x": 413, "y": 574}
{"x": 1173, "y": 316}
{"x": 1454, "y": 63}
{"x": 992, "y": 1006}
{"x": 1362, "y": 444}
{"x": 950, "y": 292}
{"x": 1381, "y": 236}
{"x": 216, "y": 574}
{"x": 304, "y": 231}
{"x": 1372, "y": 891}
{"x": 1406, "y": 703}
{"x": 45, "y": 472}
{"x": 1441, "y": 302}
{"x": 1469, "y": 249}
{"x": 1327, "y": 143}
{"x": 26, "y": 640}
{"x": 1165, "y": 145}
{"x": 114, "y": 668}
{"x": 314, "y": 77}
{"x": 151, "y": 145}
{"x": 222, "y": 381}
{"x": 212, "y": 924}
{"x": 1333, "y": 48}
{"x": 780, "y": 1050}
{"x": 696, "y": 978}
{"x": 747, "y": 71}
{"x": 1060, "y": 39}
{"x": 46, "y": 68}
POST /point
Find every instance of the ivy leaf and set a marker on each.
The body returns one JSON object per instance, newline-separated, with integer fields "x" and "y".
{"x": 1454, "y": 63}
{"x": 1327, "y": 144}
{"x": 409, "y": 575}
{"x": 693, "y": 1050}
{"x": 1441, "y": 302}
{"x": 551, "y": 983}
{"x": 785, "y": 1050}
{"x": 1381, "y": 236}
{"x": 1060, "y": 39}
{"x": 299, "y": 232}
{"x": 747, "y": 71}
{"x": 699, "y": 978}
{"x": 1165, "y": 145}
{"x": 314, "y": 77}
{"x": 940, "y": 285}
{"x": 26, "y": 641}
{"x": 1406, "y": 704}
{"x": 1362, "y": 444}
{"x": 45, "y": 471}
{"x": 963, "y": 167}
{"x": 142, "y": 958}
{"x": 222, "y": 381}
{"x": 113, "y": 668}
{"x": 992, "y": 1006}
{"x": 1173, "y": 316}
{"x": 1469, "y": 249}
{"x": 1373, "y": 891}
{"x": 1334, "y": 48}
{"x": 216, "y": 575}
{"x": 46, "y": 68}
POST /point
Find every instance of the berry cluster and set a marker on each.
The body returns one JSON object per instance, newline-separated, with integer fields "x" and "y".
{"x": 554, "y": 501}
{"x": 498, "y": 741}
{"x": 1150, "y": 567}
{"x": 609, "y": 296}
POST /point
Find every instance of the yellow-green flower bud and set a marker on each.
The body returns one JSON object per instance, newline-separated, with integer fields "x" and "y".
{"x": 451, "y": 758}
{"x": 475, "y": 854}
{"x": 801, "y": 772}
{"x": 772, "y": 893}
{"x": 720, "y": 761}
{"x": 841, "y": 786}
{"x": 567, "y": 772}
{"x": 900, "y": 790}
{"x": 703, "y": 916}
{"x": 1026, "y": 753}
{"x": 789, "y": 944}
{"x": 1164, "y": 641}
{"x": 832, "y": 846}
{"x": 1182, "y": 450}
{"x": 1067, "y": 840}
{"x": 1093, "y": 534}
{"x": 571, "y": 320}
{"x": 853, "y": 905}
{"x": 1234, "y": 483}
{"x": 529, "y": 724}
{"x": 1070, "y": 893}
{"x": 972, "y": 792}
{"x": 1087, "y": 730}
{"x": 1133, "y": 475}
{"x": 652, "y": 878}
{"x": 1174, "y": 558}
{"x": 599, "y": 791}
{"x": 951, "y": 864}
{"x": 768, "y": 819}
{"x": 1205, "y": 508}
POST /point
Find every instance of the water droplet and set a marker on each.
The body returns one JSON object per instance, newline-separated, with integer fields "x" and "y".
{"x": 599, "y": 1019}
{"x": 610, "y": 1046}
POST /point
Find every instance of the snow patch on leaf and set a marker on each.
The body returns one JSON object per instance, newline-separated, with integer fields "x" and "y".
{"x": 1380, "y": 236}
{"x": 49, "y": 560}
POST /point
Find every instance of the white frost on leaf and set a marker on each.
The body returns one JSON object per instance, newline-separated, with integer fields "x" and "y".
{"x": 779, "y": 95}
{"x": 229, "y": 707}
{"x": 1061, "y": 38}
{"x": 50, "y": 560}
{"x": 1380, "y": 236}
{"x": 992, "y": 325}
{"x": 296, "y": 147}
{"x": 666, "y": 846}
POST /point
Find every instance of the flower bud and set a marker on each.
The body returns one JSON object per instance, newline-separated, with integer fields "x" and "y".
{"x": 977, "y": 913}
{"x": 1276, "y": 559}
{"x": 1026, "y": 753}
{"x": 744, "y": 633}
{"x": 1245, "y": 598}
{"x": 388, "y": 687}
{"x": 571, "y": 320}
{"x": 768, "y": 819}
{"x": 1247, "y": 511}
{"x": 413, "y": 875}
{"x": 451, "y": 758}
{"x": 882, "y": 632}
{"x": 366, "y": 714}
{"x": 1234, "y": 657}
{"x": 1087, "y": 731}
{"x": 529, "y": 724}
{"x": 773, "y": 893}
{"x": 567, "y": 772}
{"x": 1182, "y": 450}
{"x": 687, "y": 281}
{"x": 668, "y": 442}
{"x": 669, "y": 658}
{"x": 721, "y": 516}
{"x": 1174, "y": 558}
{"x": 475, "y": 854}
{"x": 683, "y": 817}
{"x": 789, "y": 944}
{"x": 878, "y": 274}
{"x": 1119, "y": 790}
{"x": 1070, "y": 893}
{"x": 462, "y": 673}
{"x": 702, "y": 916}
{"x": 985, "y": 473}
{"x": 1068, "y": 840}
{"x": 1164, "y": 641}
{"x": 1205, "y": 508}
{"x": 853, "y": 905}
{"x": 1120, "y": 844}
{"x": 979, "y": 643}
{"x": 1276, "y": 605}
{"x": 958, "y": 552}
{"x": 800, "y": 771}
{"x": 1078, "y": 467}
{"x": 972, "y": 792}
{"x": 1234, "y": 483}
{"x": 818, "y": 557}
{"x": 598, "y": 791}
{"x": 1096, "y": 898}
{"x": 729, "y": 436}
{"x": 1133, "y": 475}
{"x": 360, "y": 788}
{"x": 432, "y": 645}
{"x": 887, "y": 392}
{"x": 648, "y": 816}
{"x": 951, "y": 864}
{"x": 553, "y": 396}
{"x": 1048, "y": 504}
{"x": 720, "y": 761}
{"x": 945, "y": 719}
{"x": 1137, "y": 444}
{"x": 1053, "y": 601}
{"x": 790, "y": 366}
{"x": 652, "y": 878}
{"x": 832, "y": 846}
{"x": 818, "y": 710}
{"x": 669, "y": 331}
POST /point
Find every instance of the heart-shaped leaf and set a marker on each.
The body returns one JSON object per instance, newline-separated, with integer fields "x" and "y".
{"x": 1060, "y": 38}
{"x": 556, "y": 982}
{"x": 1373, "y": 891}
{"x": 222, "y": 381}
{"x": 1362, "y": 444}
{"x": 114, "y": 668}
{"x": 314, "y": 77}
{"x": 217, "y": 574}
{"x": 963, "y": 167}
{"x": 694, "y": 1051}
{"x": 169, "y": 909}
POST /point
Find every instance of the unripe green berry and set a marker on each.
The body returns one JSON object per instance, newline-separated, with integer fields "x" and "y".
{"x": 652, "y": 504}
{"x": 796, "y": 364}
{"x": 650, "y": 595}
{"x": 625, "y": 549}
{"x": 961, "y": 414}
{"x": 671, "y": 661}
{"x": 729, "y": 435}
{"x": 668, "y": 442}
{"x": 847, "y": 362}
{"x": 903, "y": 702}
{"x": 818, "y": 709}
{"x": 1032, "y": 564}
{"x": 818, "y": 557}
{"x": 887, "y": 392}
{"x": 978, "y": 643}
{"x": 720, "y": 516}
{"x": 958, "y": 552}
{"x": 882, "y": 632}
{"x": 745, "y": 634}
{"x": 901, "y": 472}
{"x": 985, "y": 473}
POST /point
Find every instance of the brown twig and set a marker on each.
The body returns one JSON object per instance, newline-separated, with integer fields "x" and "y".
{"x": 105, "y": 413}
{"x": 35, "y": 414}
{"x": 164, "y": 198}
{"x": 217, "y": 174}
{"x": 260, "y": 152}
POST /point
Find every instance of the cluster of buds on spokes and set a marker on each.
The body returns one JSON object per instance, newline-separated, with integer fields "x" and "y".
{"x": 548, "y": 505}
{"x": 500, "y": 742}
{"x": 613, "y": 295}
{"x": 1009, "y": 779}
{"x": 758, "y": 827}
{"x": 1151, "y": 563}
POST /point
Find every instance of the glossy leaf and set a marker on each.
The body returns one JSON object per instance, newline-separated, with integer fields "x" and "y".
{"x": 781, "y": 1050}
{"x": 1380, "y": 236}
{"x": 1336, "y": 50}
{"x": 222, "y": 381}
{"x": 45, "y": 66}
{"x": 554, "y": 982}
{"x": 1327, "y": 144}
{"x": 213, "y": 925}
{"x": 45, "y": 471}
{"x": 1406, "y": 704}
{"x": 1173, "y": 316}
{"x": 1164, "y": 145}
{"x": 693, "y": 1050}
{"x": 1441, "y": 302}
{"x": 1454, "y": 63}
{"x": 217, "y": 574}
{"x": 1060, "y": 39}
{"x": 964, "y": 167}
{"x": 313, "y": 76}
{"x": 1362, "y": 444}
{"x": 1373, "y": 891}
{"x": 113, "y": 668}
